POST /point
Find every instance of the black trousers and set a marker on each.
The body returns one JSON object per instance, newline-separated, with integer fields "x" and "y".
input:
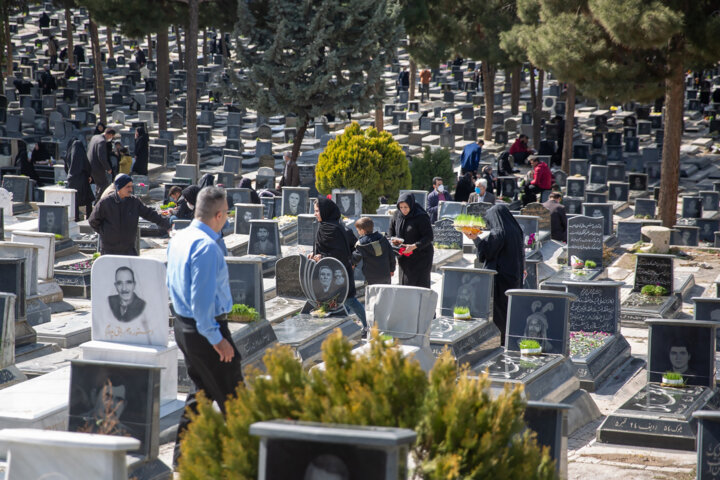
{"x": 217, "y": 379}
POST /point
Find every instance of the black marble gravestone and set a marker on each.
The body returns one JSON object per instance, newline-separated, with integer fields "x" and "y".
{"x": 246, "y": 283}
{"x": 237, "y": 195}
{"x": 508, "y": 186}
{"x": 578, "y": 167}
{"x": 585, "y": 239}
{"x": 692, "y": 207}
{"x": 467, "y": 287}
{"x": 596, "y": 197}
{"x": 708, "y": 444}
{"x": 645, "y": 207}
{"x": 349, "y": 202}
{"x": 539, "y": 315}
{"x": 707, "y": 309}
{"x": 268, "y": 204}
{"x": 549, "y": 422}
{"x": 638, "y": 181}
{"x": 381, "y": 223}
{"x": 307, "y": 178}
{"x": 54, "y": 219}
{"x": 445, "y": 235}
{"x": 616, "y": 172}
{"x": 707, "y": 228}
{"x": 601, "y": 210}
{"x": 653, "y": 269}
{"x": 264, "y": 238}
{"x": 478, "y": 209}
{"x": 684, "y": 235}
{"x": 420, "y": 196}
{"x": 575, "y": 187}
{"x": 560, "y": 178}
{"x": 573, "y": 205}
{"x": 244, "y": 212}
{"x": 287, "y": 275}
{"x": 294, "y": 200}
{"x": 450, "y": 209}
{"x": 598, "y": 174}
{"x": 618, "y": 191}
{"x": 307, "y": 229}
{"x": 19, "y": 187}
{"x": 629, "y": 232}
{"x": 710, "y": 201}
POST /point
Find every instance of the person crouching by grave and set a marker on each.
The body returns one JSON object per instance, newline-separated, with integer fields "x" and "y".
{"x": 470, "y": 157}
{"x": 78, "y": 172}
{"x": 481, "y": 193}
{"x": 558, "y": 217}
{"x": 501, "y": 249}
{"x": 464, "y": 187}
{"x": 47, "y": 81}
{"x": 291, "y": 173}
{"x": 434, "y": 198}
{"x": 199, "y": 288}
{"x": 99, "y": 161}
{"x": 142, "y": 152}
{"x": 335, "y": 240}
{"x": 186, "y": 204}
{"x": 70, "y": 71}
{"x": 412, "y": 232}
{"x": 374, "y": 250}
{"x": 247, "y": 183}
{"x": 542, "y": 180}
{"x": 115, "y": 219}
{"x": 520, "y": 150}
{"x": 491, "y": 179}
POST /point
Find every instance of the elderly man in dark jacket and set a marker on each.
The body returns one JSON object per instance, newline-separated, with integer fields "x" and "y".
{"x": 115, "y": 219}
{"x": 99, "y": 162}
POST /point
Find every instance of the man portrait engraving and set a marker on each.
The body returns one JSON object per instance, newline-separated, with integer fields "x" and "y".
{"x": 126, "y": 306}
{"x": 263, "y": 244}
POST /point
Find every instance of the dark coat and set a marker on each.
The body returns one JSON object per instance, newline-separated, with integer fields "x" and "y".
{"x": 414, "y": 228}
{"x": 464, "y": 188}
{"x": 558, "y": 220}
{"x": 433, "y": 203}
{"x": 97, "y": 153}
{"x": 377, "y": 256}
{"x": 134, "y": 309}
{"x": 254, "y": 197}
{"x": 503, "y": 251}
{"x": 26, "y": 164}
{"x": 335, "y": 240}
{"x": 142, "y": 153}
{"x": 116, "y": 221}
{"x": 488, "y": 198}
{"x": 189, "y": 194}
{"x": 77, "y": 167}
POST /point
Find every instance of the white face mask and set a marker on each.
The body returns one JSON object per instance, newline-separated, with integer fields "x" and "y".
{"x": 441, "y": 188}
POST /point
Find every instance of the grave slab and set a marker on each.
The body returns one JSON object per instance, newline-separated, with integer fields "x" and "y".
{"x": 305, "y": 334}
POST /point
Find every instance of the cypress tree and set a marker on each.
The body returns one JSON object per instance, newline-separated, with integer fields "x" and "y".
{"x": 313, "y": 58}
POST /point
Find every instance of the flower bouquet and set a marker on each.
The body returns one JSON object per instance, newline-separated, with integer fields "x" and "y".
{"x": 469, "y": 224}
{"x": 576, "y": 263}
{"x": 532, "y": 242}
{"x": 325, "y": 309}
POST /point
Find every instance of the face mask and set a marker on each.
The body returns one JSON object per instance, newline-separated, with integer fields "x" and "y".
{"x": 441, "y": 188}
{"x": 477, "y": 189}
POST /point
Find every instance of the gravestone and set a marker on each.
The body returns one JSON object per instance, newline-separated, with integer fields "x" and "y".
{"x": 461, "y": 287}
{"x": 508, "y": 187}
{"x": 560, "y": 178}
{"x": 707, "y": 228}
{"x": 539, "y": 315}
{"x": 307, "y": 178}
{"x": 19, "y": 186}
{"x": 450, "y": 209}
{"x": 652, "y": 269}
{"x": 264, "y": 238}
{"x": 692, "y": 207}
{"x": 596, "y": 197}
{"x": 445, "y": 235}
{"x": 598, "y": 174}
{"x": 54, "y": 219}
{"x": 348, "y": 201}
{"x": 684, "y": 235}
{"x": 420, "y": 196}
{"x": 535, "y": 209}
{"x": 597, "y": 307}
{"x": 638, "y": 181}
{"x": 529, "y": 226}
{"x": 246, "y": 283}
{"x": 708, "y": 441}
{"x": 9, "y": 373}
{"x": 601, "y": 210}
{"x": 585, "y": 239}
{"x": 573, "y": 205}
{"x": 265, "y": 179}
{"x": 575, "y": 187}
{"x": 549, "y": 421}
{"x": 237, "y": 195}
{"x": 629, "y": 232}
{"x": 307, "y": 229}
{"x": 578, "y": 167}
{"x": 233, "y": 164}
{"x": 710, "y": 201}
{"x": 616, "y": 172}
{"x": 618, "y": 191}
{"x": 295, "y": 200}
{"x": 645, "y": 207}
{"x": 287, "y": 275}
{"x": 123, "y": 309}
{"x": 478, "y": 209}
{"x": 244, "y": 212}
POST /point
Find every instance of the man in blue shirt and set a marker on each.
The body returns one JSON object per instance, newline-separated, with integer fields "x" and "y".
{"x": 470, "y": 158}
{"x": 198, "y": 283}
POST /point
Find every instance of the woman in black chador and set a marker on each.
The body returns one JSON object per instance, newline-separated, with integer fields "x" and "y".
{"x": 78, "y": 172}
{"x": 411, "y": 223}
{"x": 502, "y": 250}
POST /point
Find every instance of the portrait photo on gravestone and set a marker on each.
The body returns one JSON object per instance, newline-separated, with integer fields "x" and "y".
{"x": 264, "y": 238}
{"x": 682, "y": 349}
{"x": 129, "y": 300}
{"x": 540, "y": 319}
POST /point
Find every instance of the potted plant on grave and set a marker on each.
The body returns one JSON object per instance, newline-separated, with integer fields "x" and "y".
{"x": 589, "y": 264}
{"x": 241, "y": 313}
{"x": 672, "y": 379}
{"x": 461, "y": 313}
{"x": 529, "y": 347}
{"x": 531, "y": 242}
{"x": 469, "y": 224}
{"x": 389, "y": 340}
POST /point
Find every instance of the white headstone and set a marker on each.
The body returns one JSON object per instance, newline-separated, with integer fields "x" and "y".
{"x": 6, "y": 203}
{"x": 61, "y": 196}
{"x": 46, "y": 253}
{"x": 129, "y": 300}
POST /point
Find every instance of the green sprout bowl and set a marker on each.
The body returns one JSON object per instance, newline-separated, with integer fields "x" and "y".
{"x": 672, "y": 379}
{"x": 461, "y": 313}
{"x": 241, "y": 313}
{"x": 529, "y": 347}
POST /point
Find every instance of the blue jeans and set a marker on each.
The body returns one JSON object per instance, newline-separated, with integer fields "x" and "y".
{"x": 353, "y": 305}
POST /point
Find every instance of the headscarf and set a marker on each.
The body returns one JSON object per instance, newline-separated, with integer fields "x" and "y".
{"x": 501, "y": 221}
{"x": 97, "y": 128}
{"x": 190, "y": 194}
{"x": 414, "y": 211}
{"x": 40, "y": 153}
{"x": 329, "y": 211}
{"x": 245, "y": 183}
{"x": 121, "y": 180}
{"x": 207, "y": 180}
{"x": 333, "y": 239}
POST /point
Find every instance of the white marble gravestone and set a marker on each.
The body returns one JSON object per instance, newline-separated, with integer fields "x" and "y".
{"x": 46, "y": 252}
{"x": 29, "y": 252}
{"x": 61, "y": 196}
{"x": 129, "y": 300}
{"x": 6, "y": 203}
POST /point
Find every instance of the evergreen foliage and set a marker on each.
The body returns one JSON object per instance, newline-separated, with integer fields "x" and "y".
{"x": 432, "y": 164}
{"x": 365, "y": 160}
{"x": 462, "y": 431}
{"x": 312, "y": 58}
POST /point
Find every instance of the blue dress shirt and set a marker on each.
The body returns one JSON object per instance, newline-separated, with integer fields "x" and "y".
{"x": 197, "y": 278}
{"x": 470, "y": 157}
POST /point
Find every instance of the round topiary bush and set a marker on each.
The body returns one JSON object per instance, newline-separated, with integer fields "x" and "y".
{"x": 462, "y": 431}
{"x": 369, "y": 161}
{"x": 432, "y": 163}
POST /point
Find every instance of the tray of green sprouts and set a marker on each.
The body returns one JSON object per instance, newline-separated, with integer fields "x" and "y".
{"x": 672, "y": 379}
{"x": 469, "y": 224}
{"x": 461, "y": 313}
{"x": 241, "y": 313}
{"x": 529, "y": 347}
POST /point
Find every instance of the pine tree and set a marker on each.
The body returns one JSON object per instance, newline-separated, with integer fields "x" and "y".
{"x": 313, "y": 57}
{"x": 7, "y": 7}
{"x": 683, "y": 35}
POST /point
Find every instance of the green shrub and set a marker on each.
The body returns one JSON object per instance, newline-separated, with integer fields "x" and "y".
{"x": 462, "y": 431}
{"x": 369, "y": 161}
{"x": 430, "y": 165}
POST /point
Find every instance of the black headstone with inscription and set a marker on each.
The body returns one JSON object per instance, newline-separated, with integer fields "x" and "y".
{"x": 601, "y": 210}
{"x": 686, "y": 347}
{"x": 478, "y": 209}
{"x": 549, "y": 422}
{"x": 653, "y": 269}
{"x": 597, "y": 308}
{"x": 287, "y": 277}
{"x": 708, "y": 444}
{"x": 244, "y": 212}
{"x": 445, "y": 235}
{"x": 585, "y": 239}
{"x": 307, "y": 229}
{"x": 467, "y": 287}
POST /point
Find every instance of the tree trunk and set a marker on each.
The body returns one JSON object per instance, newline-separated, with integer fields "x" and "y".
{"x": 489, "y": 85}
{"x": 97, "y": 65}
{"x": 204, "y": 47}
{"x": 69, "y": 36}
{"x": 537, "y": 110}
{"x": 515, "y": 90}
{"x": 379, "y": 117}
{"x": 178, "y": 42}
{"x": 187, "y": 49}
{"x": 150, "y": 48}
{"x": 191, "y": 116}
{"x": 8, "y": 43}
{"x": 674, "y": 99}
{"x": 413, "y": 79}
{"x": 2, "y": 48}
{"x": 109, "y": 42}
{"x": 299, "y": 135}
{"x": 569, "y": 128}
{"x": 163, "y": 77}
{"x": 226, "y": 49}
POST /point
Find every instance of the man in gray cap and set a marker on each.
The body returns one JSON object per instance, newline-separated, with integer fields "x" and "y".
{"x": 115, "y": 219}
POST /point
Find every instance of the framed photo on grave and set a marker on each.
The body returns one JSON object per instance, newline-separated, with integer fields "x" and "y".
{"x": 246, "y": 283}
{"x": 686, "y": 347}
{"x": 691, "y": 207}
{"x": 616, "y": 172}
{"x": 131, "y": 391}
{"x": 596, "y": 197}
{"x": 329, "y": 281}
{"x": 348, "y": 201}
{"x": 575, "y": 187}
{"x": 684, "y": 235}
{"x": 467, "y": 287}
{"x": 244, "y": 212}
{"x": 710, "y": 201}
{"x": 129, "y": 300}
{"x": 707, "y": 228}
{"x": 237, "y": 195}
{"x": 264, "y": 238}
{"x": 600, "y": 210}
{"x": 295, "y": 200}
{"x": 638, "y": 181}
{"x": 578, "y": 167}
{"x": 53, "y": 219}
{"x": 618, "y": 191}
{"x": 573, "y": 205}
{"x": 540, "y": 315}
